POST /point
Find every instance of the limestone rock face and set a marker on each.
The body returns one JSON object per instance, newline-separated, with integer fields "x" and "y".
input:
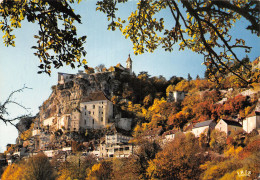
{"x": 66, "y": 97}
{"x": 24, "y": 124}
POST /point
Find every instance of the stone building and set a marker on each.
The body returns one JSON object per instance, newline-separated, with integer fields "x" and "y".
{"x": 64, "y": 121}
{"x": 202, "y": 127}
{"x": 93, "y": 111}
{"x": 252, "y": 122}
{"x": 96, "y": 111}
{"x": 75, "y": 123}
{"x": 129, "y": 64}
{"x": 48, "y": 121}
{"x": 228, "y": 126}
{"x": 64, "y": 77}
{"x": 116, "y": 145}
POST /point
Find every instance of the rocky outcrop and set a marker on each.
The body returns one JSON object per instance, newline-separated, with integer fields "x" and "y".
{"x": 24, "y": 124}
{"x": 66, "y": 97}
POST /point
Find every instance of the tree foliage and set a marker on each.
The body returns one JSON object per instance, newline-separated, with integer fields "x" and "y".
{"x": 126, "y": 168}
{"x": 205, "y": 29}
{"x": 100, "y": 68}
{"x": 37, "y": 167}
{"x": 75, "y": 167}
{"x": 179, "y": 160}
{"x": 14, "y": 171}
{"x": 57, "y": 41}
{"x": 100, "y": 171}
{"x": 239, "y": 163}
{"x": 217, "y": 140}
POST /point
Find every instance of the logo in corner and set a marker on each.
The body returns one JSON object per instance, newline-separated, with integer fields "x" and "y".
{"x": 244, "y": 173}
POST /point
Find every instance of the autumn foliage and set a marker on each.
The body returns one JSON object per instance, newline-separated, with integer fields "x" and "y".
{"x": 37, "y": 167}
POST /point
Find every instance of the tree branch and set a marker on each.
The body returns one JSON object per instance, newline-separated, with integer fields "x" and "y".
{"x": 8, "y": 101}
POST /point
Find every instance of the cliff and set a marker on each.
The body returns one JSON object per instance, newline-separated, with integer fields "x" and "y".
{"x": 66, "y": 97}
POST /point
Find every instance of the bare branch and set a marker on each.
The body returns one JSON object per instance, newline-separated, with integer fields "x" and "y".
{"x": 3, "y": 108}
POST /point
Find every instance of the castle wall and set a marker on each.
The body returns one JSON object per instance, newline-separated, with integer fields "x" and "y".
{"x": 96, "y": 114}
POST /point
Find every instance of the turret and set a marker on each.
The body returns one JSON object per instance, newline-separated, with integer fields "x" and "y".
{"x": 129, "y": 64}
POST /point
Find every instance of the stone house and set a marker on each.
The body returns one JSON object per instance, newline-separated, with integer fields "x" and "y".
{"x": 96, "y": 111}
{"x": 228, "y": 126}
{"x": 202, "y": 127}
{"x": 116, "y": 145}
{"x": 153, "y": 134}
{"x": 64, "y": 121}
{"x": 252, "y": 122}
{"x": 119, "y": 150}
{"x": 75, "y": 122}
{"x": 117, "y": 138}
{"x": 21, "y": 152}
{"x": 64, "y": 77}
{"x": 48, "y": 121}
{"x": 50, "y": 153}
{"x": 169, "y": 135}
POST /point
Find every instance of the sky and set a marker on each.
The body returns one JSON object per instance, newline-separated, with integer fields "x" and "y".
{"x": 18, "y": 65}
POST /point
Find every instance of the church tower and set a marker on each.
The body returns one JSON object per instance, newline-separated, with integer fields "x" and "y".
{"x": 129, "y": 64}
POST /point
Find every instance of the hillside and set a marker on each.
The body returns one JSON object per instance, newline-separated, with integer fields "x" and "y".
{"x": 115, "y": 113}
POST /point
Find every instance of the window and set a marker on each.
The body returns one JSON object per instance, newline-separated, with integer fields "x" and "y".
{"x": 89, "y": 112}
{"x": 93, "y": 112}
{"x": 93, "y": 121}
{"x": 85, "y": 113}
{"x": 85, "y": 122}
{"x": 85, "y": 107}
{"x": 101, "y": 119}
{"x": 101, "y": 112}
{"x": 126, "y": 148}
{"x": 93, "y": 106}
{"x": 229, "y": 132}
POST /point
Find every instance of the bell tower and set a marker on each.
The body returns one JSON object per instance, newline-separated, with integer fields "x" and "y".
{"x": 129, "y": 64}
